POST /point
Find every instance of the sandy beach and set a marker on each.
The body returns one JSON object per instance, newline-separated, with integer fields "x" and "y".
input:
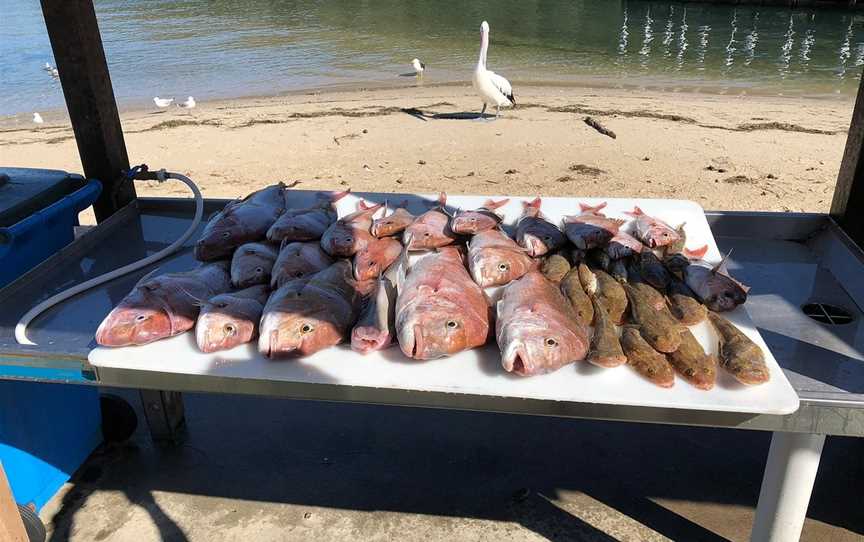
{"x": 722, "y": 151}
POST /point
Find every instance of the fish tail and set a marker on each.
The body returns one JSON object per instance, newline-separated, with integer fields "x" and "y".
{"x": 696, "y": 253}
{"x": 636, "y": 212}
{"x": 533, "y": 204}
{"x": 585, "y": 208}
{"x": 491, "y": 204}
{"x": 442, "y": 199}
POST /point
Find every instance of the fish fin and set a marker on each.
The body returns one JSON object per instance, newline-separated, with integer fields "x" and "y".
{"x": 491, "y": 204}
{"x": 442, "y": 199}
{"x": 333, "y": 197}
{"x": 362, "y": 205}
{"x": 636, "y": 212}
{"x": 696, "y": 253}
{"x": 146, "y": 277}
{"x": 722, "y": 266}
{"x": 619, "y": 221}
{"x": 534, "y": 203}
{"x": 198, "y": 302}
{"x": 585, "y": 208}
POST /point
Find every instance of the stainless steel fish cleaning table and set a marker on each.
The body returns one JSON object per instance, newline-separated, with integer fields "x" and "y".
{"x": 790, "y": 260}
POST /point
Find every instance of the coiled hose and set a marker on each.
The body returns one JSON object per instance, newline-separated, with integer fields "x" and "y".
{"x": 161, "y": 176}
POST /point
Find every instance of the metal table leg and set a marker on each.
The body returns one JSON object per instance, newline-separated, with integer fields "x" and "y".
{"x": 165, "y": 414}
{"x": 786, "y": 486}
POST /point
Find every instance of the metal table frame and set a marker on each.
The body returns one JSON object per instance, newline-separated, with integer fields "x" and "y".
{"x": 798, "y": 438}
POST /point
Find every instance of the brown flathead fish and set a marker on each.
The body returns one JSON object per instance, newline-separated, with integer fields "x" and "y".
{"x": 684, "y": 305}
{"x": 739, "y": 355}
{"x": 691, "y": 362}
{"x": 574, "y": 291}
{"x": 645, "y": 360}
{"x": 605, "y": 348}
{"x": 554, "y": 267}
{"x": 658, "y": 327}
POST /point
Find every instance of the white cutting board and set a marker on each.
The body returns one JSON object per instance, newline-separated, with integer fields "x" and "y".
{"x": 479, "y": 371}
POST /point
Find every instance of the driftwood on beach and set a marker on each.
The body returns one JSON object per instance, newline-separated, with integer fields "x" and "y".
{"x": 599, "y": 127}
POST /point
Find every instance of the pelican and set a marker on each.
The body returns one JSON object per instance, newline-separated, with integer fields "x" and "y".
{"x": 37, "y": 118}
{"x": 493, "y": 89}
{"x": 418, "y": 66}
{"x": 188, "y": 104}
{"x": 162, "y": 102}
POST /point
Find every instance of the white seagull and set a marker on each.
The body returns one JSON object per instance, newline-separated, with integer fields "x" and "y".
{"x": 162, "y": 102}
{"x": 37, "y": 118}
{"x": 493, "y": 89}
{"x": 188, "y": 104}
{"x": 418, "y": 66}
{"x": 48, "y": 67}
{"x": 51, "y": 69}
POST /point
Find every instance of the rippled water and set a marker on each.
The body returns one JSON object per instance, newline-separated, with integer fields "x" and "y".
{"x": 222, "y": 49}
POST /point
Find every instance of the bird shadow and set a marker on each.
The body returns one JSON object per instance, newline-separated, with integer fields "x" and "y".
{"x": 409, "y": 74}
{"x": 461, "y": 115}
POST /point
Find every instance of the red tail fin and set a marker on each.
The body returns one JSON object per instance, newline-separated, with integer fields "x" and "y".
{"x": 696, "y": 253}
{"x": 491, "y": 205}
{"x": 585, "y": 208}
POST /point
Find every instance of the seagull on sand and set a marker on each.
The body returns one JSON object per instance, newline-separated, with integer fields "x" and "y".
{"x": 188, "y": 104}
{"x": 492, "y": 88}
{"x": 162, "y": 102}
{"x": 418, "y": 66}
{"x": 37, "y": 118}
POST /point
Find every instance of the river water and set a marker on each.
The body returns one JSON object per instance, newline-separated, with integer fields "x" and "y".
{"x": 223, "y": 49}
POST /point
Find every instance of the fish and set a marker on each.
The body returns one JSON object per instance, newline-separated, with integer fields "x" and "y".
{"x": 652, "y": 231}
{"x": 536, "y": 329}
{"x": 573, "y": 290}
{"x": 638, "y": 282}
{"x": 605, "y": 350}
{"x": 658, "y": 327}
{"x": 431, "y": 229}
{"x": 298, "y": 260}
{"x": 597, "y": 257}
{"x": 714, "y": 286}
{"x": 376, "y": 327}
{"x": 392, "y": 224}
{"x": 495, "y": 259}
{"x": 608, "y": 291}
{"x": 482, "y": 219}
{"x": 309, "y": 223}
{"x": 691, "y": 362}
{"x": 374, "y": 259}
{"x": 618, "y": 269}
{"x": 623, "y": 245}
{"x": 350, "y": 233}
{"x": 309, "y": 314}
{"x": 653, "y": 270}
{"x": 252, "y": 264}
{"x": 534, "y": 233}
{"x": 678, "y": 246}
{"x": 591, "y": 228}
{"x": 230, "y": 319}
{"x": 554, "y": 267}
{"x": 645, "y": 360}
{"x": 240, "y": 222}
{"x": 684, "y": 305}
{"x": 162, "y": 306}
{"x": 440, "y": 310}
{"x": 739, "y": 355}
{"x": 575, "y": 256}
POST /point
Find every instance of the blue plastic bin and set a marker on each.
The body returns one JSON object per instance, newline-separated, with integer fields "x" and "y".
{"x": 38, "y": 212}
{"x": 46, "y": 430}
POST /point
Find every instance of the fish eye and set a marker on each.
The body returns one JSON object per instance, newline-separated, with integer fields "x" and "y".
{"x": 547, "y": 238}
{"x": 452, "y": 324}
{"x": 371, "y": 263}
{"x": 226, "y": 234}
{"x": 348, "y": 239}
{"x": 551, "y": 342}
{"x": 221, "y": 305}
{"x": 427, "y": 234}
{"x": 140, "y": 318}
{"x": 388, "y": 222}
{"x": 259, "y": 269}
{"x": 298, "y": 274}
{"x": 230, "y": 330}
{"x": 503, "y": 267}
{"x": 306, "y": 328}
{"x": 665, "y": 234}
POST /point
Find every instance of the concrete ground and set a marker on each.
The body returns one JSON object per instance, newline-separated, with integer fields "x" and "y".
{"x": 266, "y": 470}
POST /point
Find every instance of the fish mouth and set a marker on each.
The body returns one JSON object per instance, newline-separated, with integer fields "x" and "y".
{"x": 417, "y": 347}
{"x": 269, "y": 346}
{"x": 368, "y": 339}
{"x": 516, "y": 362}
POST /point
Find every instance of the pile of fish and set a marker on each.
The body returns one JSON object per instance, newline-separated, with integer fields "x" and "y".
{"x": 604, "y": 290}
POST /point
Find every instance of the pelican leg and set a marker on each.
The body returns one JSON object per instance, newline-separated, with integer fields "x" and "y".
{"x": 482, "y": 111}
{"x": 497, "y": 111}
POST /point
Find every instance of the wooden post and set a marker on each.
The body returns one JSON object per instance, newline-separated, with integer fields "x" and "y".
{"x": 77, "y": 46}
{"x": 847, "y": 207}
{"x": 11, "y": 526}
